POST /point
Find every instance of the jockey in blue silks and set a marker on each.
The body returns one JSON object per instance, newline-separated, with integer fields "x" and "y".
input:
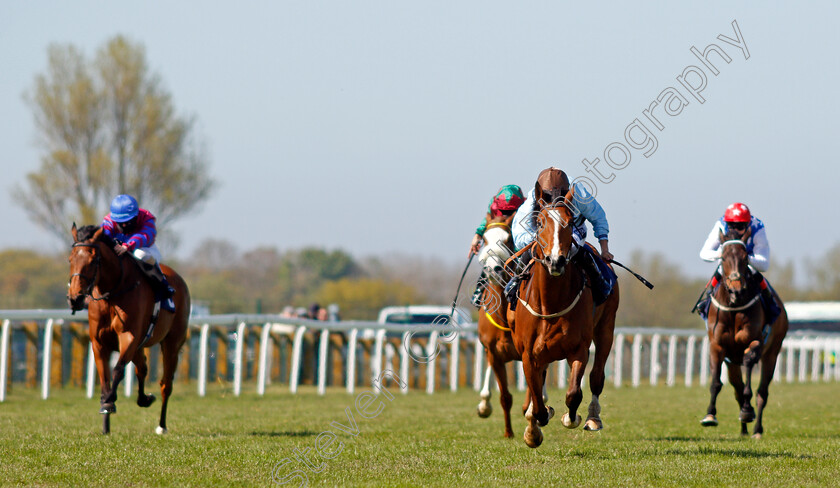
{"x": 738, "y": 218}
{"x": 554, "y": 185}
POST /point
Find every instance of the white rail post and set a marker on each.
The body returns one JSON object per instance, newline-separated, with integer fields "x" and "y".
{"x": 791, "y": 351}
{"x": 4, "y": 358}
{"x": 129, "y": 378}
{"x": 202, "y": 359}
{"x": 237, "y": 362}
{"x": 91, "y": 371}
{"x": 47, "y": 356}
{"x": 837, "y": 360}
{"x": 454, "y": 359}
{"x": 297, "y": 357}
{"x": 689, "y": 359}
{"x": 803, "y": 361}
{"x": 323, "y": 348}
{"x": 404, "y": 361}
{"x": 777, "y": 373}
{"x": 479, "y": 365}
{"x": 827, "y": 352}
{"x": 562, "y": 375}
{"x": 521, "y": 383}
{"x": 704, "y": 361}
{"x": 815, "y": 360}
{"x": 654, "y": 359}
{"x": 619, "y": 359}
{"x": 351, "y": 360}
{"x": 378, "y": 355}
{"x": 672, "y": 361}
{"x": 637, "y": 360}
{"x": 262, "y": 367}
{"x": 430, "y": 366}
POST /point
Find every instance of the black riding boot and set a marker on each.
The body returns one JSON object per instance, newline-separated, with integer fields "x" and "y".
{"x": 163, "y": 292}
{"x": 599, "y": 287}
{"x": 706, "y": 297}
{"x": 512, "y": 287}
{"x": 479, "y": 289}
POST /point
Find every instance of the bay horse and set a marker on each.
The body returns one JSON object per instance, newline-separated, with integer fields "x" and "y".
{"x": 739, "y": 335}
{"x": 493, "y": 329}
{"x": 557, "y": 319}
{"x": 120, "y": 307}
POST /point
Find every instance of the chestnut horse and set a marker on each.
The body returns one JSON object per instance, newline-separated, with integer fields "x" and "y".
{"x": 739, "y": 335}
{"x": 493, "y": 330}
{"x": 120, "y": 308}
{"x": 556, "y": 319}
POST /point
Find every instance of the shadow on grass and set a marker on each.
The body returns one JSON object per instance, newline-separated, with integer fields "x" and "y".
{"x": 288, "y": 433}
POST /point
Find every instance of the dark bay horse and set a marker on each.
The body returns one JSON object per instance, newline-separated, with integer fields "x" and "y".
{"x": 739, "y": 335}
{"x": 120, "y": 305}
{"x": 556, "y": 319}
{"x": 493, "y": 330}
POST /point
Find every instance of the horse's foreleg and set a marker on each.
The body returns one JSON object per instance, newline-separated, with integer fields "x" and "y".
{"x": 484, "y": 407}
{"x": 143, "y": 400}
{"x": 716, "y": 360}
{"x": 574, "y": 394}
{"x": 738, "y": 387}
{"x": 128, "y": 346}
{"x": 536, "y": 414}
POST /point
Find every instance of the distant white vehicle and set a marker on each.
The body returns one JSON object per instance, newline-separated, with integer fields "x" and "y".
{"x": 423, "y": 314}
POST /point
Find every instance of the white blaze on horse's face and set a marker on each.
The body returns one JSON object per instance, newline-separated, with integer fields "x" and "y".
{"x": 495, "y": 253}
{"x": 555, "y": 247}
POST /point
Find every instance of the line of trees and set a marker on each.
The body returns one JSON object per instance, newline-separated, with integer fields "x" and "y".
{"x": 266, "y": 280}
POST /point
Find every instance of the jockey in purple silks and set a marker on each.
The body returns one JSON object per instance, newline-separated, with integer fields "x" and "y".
{"x": 134, "y": 228}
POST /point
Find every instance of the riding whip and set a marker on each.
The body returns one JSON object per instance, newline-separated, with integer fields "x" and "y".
{"x": 455, "y": 300}
{"x": 637, "y": 275}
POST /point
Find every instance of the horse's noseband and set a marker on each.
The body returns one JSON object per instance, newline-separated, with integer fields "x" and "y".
{"x": 97, "y": 263}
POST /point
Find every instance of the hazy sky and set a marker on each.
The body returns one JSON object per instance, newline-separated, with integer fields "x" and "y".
{"x": 386, "y": 126}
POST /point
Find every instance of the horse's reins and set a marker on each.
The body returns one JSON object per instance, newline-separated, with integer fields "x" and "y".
{"x": 88, "y": 292}
{"x": 742, "y": 307}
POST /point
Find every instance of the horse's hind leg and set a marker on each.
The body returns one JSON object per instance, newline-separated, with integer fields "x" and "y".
{"x": 505, "y": 398}
{"x": 746, "y": 415}
{"x": 143, "y": 400}
{"x": 169, "y": 351}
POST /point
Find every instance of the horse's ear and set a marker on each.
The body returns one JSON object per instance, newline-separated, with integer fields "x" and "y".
{"x": 570, "y": 197}
{"x": 97, "y": 234}
{"x": 74, "y": 233}
{"x": 746, "y": 235}
{"x": 538, "y": 201}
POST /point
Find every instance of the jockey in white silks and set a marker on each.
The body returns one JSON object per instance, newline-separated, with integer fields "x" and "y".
{"x": 737, "y": 218}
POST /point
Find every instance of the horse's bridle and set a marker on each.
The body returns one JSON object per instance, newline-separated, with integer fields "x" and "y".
{"x": 733, "y": 277}
{"x": 97, "y": 261}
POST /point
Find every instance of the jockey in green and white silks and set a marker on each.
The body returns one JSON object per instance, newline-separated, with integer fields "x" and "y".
{"x": 492, "y": 237}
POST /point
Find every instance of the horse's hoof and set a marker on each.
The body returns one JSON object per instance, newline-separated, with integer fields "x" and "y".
{"x": 145, "y": 400}
{"x": 160, "y": 430}
{"x": 567, "y": 421}
{"x": 550, "y": 413}
{"x": 756, "y": 436}
{"x": 593, "y": 425}
{"x": 484, "y": 409}
{"x": 107, "y": 408}
{"x": 709, "y": 421}
{"x": 533, "y": 436}
{"x": 747, "y": 416}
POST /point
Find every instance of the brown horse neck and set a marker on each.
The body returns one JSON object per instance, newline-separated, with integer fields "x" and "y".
{"x": 114, "y": 271}
{"x": 568, "y": 285}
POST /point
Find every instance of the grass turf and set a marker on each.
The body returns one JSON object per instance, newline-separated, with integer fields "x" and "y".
{"x": 652, "y": 438}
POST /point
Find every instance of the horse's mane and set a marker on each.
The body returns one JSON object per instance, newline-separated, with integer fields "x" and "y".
{"x": 87, "y": 231}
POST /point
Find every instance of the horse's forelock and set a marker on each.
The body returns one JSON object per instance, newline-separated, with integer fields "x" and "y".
{"x": 86, "y": 232}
